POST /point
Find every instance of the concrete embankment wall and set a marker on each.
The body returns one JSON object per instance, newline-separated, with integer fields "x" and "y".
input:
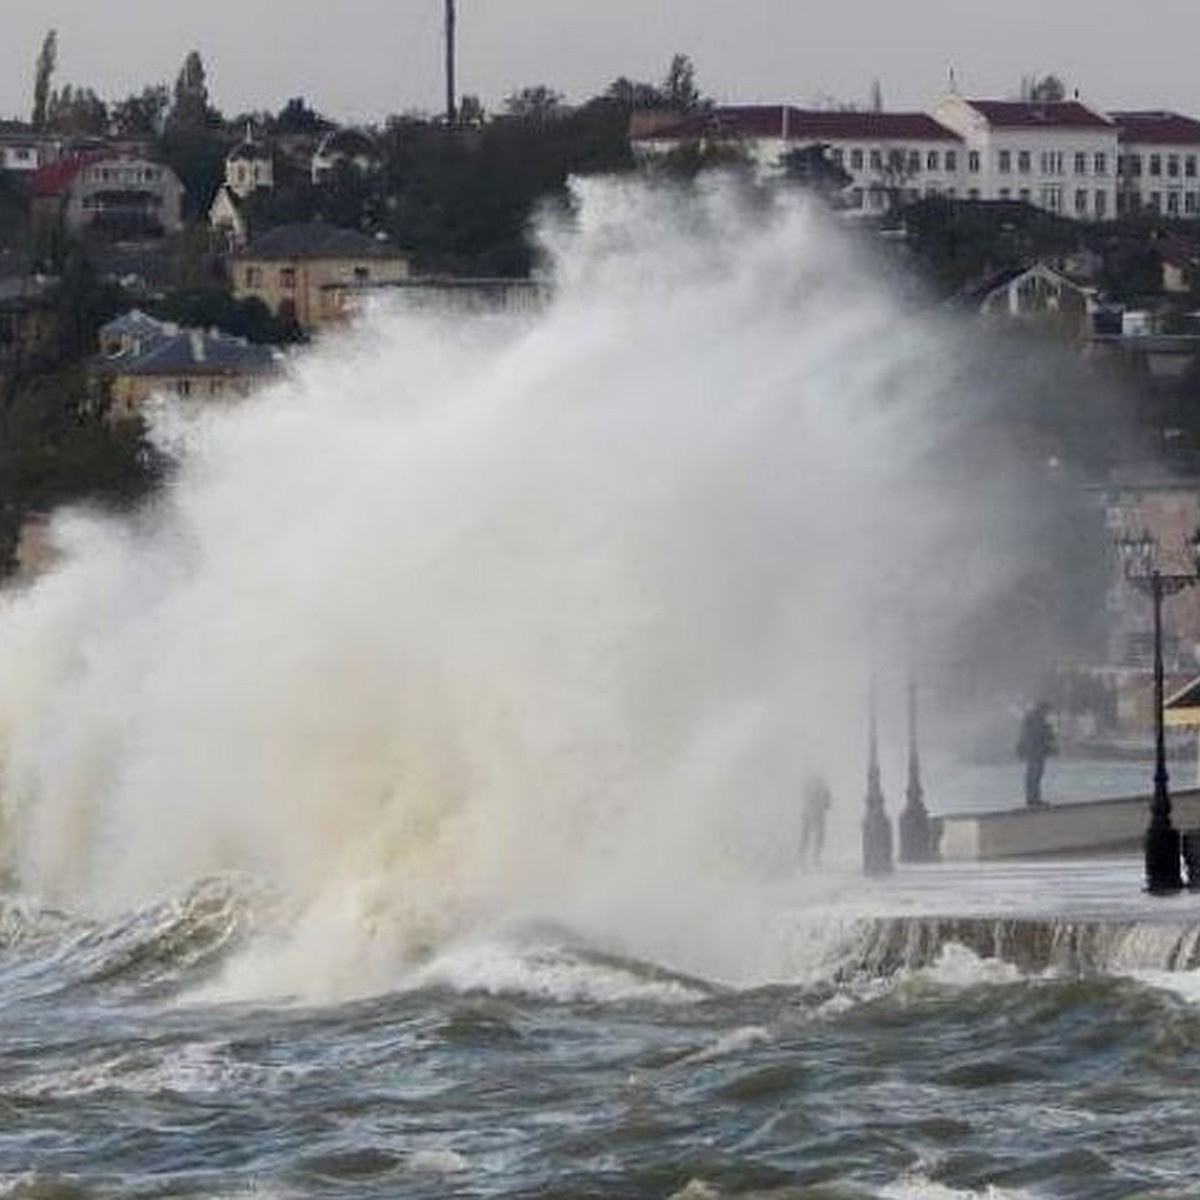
{"x": 1092, "y": 827}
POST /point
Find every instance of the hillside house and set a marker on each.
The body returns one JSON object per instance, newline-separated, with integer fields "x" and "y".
{"x": 141, "y": 357}
{"x": 303, "y": 271}
{"x": 107, "y": 192}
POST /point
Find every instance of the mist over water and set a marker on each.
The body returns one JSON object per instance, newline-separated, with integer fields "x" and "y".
{"x": 480, "y": 624}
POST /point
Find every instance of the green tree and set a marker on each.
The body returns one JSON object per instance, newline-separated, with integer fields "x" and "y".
{"x": 197, "y": 156}
{"x": 77, "y": 110}
{"x": 47, "y": 60}
{"x": 679, "y": 86}
{"x": 216, "y": 308}
{"x": 190, "y": 111}
{"x": 813, "y": 168}
{"x": 470, "y": 111}
{"x": 297, "y": 117}
{"x": 1049, "y": 89}
{"x": 633, "y": 95}
{"x": 142, "y": 114}
{"x": 537, "y": 103}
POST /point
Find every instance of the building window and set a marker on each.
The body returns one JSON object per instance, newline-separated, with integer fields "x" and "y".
{"x": 914, "y": 162}
{"x": 1101, "y": 204}
{"x": 973, "y": 194}
{"x": 950, "y": 193}
{"x": 1189, "y": 166}
{"x": 361, "y": 274}
{"x": 1080, "y": 164}
{"x": 1081, "y": 201}
{"x": 1189, "y": 203}
{"x": 856, "y": 160}
{"x": 896, "y": 160}
{"x": 1173, "y": 203}
{"x": 1052, "y": 162}
{"x": 1173, "y": 165}
{"x": 876, "y": 160}
{"x": 183, "y": 387}
{"x": 1005, "y": 193}
{"x": 253, "y": 277}
{"x": 951, "y": 160}
{"x": 1004, "y": 161}
{"x": 1156, "y": 164}
{"x": 973, "y": 160}
{"x": 287, "y": 278}
{"x": 1100, "y": 164}
{"x": 1023, "y": 195}
{"x": 1052, "y": 198}
{"x": 836, "y": 155}
{"x": 856, "y": 194}
{"x": 931, "y": 161}
{"x": 1023, "y": 161}
{"x": 1155, "y": 202}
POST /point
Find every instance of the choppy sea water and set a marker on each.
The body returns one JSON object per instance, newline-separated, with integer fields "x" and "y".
{"x": 467, "y": 621}
{"x": 990, "y": 1055}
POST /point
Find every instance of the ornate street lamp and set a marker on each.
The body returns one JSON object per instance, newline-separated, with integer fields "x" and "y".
{"x": 877, "y": 828}
{"x": 1140, "y": 558}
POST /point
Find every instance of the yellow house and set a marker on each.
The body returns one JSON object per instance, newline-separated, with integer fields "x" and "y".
{"x": 141, "y": 357}
{"x": 304, "y": 270}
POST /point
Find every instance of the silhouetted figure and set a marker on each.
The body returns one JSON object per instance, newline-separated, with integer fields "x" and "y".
{"x": 1034, "y": 746}
{"x": 812, "y": 824}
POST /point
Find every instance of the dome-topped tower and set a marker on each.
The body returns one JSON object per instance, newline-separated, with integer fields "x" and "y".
{"x": 248, "y": 166}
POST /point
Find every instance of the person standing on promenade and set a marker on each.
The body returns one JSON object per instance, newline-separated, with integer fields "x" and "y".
{"x": 1036, "y": 743}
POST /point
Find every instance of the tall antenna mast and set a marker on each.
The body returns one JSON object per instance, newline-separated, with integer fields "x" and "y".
{"x": 451, "y": 106}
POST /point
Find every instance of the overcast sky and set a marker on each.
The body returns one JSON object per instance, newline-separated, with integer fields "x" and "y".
{"x": 362, "y": 59}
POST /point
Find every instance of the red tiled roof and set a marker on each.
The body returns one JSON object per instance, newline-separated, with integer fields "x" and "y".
{"x": 1024, "y": 114}
{"x": 1165, "y": 128}
{"x": 779, "y": 120}
{"x": 54, "y": 178}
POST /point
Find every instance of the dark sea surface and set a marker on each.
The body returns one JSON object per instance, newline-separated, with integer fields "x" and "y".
{"x": 920, "y": 1056}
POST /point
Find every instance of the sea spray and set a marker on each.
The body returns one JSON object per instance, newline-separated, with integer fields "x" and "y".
{"x": 479, "y": 621}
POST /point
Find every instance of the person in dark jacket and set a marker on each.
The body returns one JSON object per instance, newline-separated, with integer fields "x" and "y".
{"x": 1034, "y": 746}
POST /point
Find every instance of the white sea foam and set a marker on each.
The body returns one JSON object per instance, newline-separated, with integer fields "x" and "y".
{"x": 548, "y": 973}
{"x": 959, "y": 966}
{"x": 442, "y": 1161}
{"x": 473, "y": 619}
{"x": 918, "y": 1187}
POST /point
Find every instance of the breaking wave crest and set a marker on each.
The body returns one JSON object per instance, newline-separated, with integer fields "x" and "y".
{"x": 478, "y": 622}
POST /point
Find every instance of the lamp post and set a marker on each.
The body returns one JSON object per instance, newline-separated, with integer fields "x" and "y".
{"x": 877, "y": 828}
{"x": 1140, "y": 557}
{"x": 915, "y": 827}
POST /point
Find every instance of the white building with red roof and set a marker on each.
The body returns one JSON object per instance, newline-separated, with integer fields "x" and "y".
{"x": 1059, "y": 155}
{"x": 889, "y": 156}
{"x": 1158, "y": 165}
{"x": 119, "y": 194}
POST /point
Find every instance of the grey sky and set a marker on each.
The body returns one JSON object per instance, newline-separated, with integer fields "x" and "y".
{"x": 360, "y": 59}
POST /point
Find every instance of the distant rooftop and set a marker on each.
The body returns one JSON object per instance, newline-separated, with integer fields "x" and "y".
{"x": 1026, "y": 114}
{"x": 316, "y": 240}
{"x": 784, "y": 121}
{"x": 1157, "y": 125}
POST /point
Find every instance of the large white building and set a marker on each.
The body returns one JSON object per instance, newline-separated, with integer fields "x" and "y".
{"x": 1158, "y": 166}
{"x": 889, "y": 156}
{"x": 1061, "y": 156}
